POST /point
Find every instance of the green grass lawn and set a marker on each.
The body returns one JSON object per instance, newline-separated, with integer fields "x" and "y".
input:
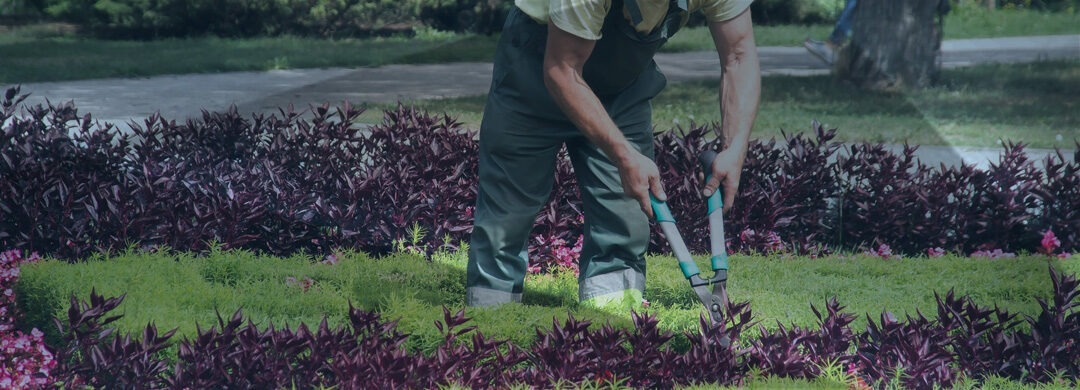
{"x": 41, "y": 53}
{"x": 975, "y": 106}
{"x": 182, "y": 291}
{"x": 71, "y": 58}
{"x": 177, "y": 290}
{"x": 962, "y": 24}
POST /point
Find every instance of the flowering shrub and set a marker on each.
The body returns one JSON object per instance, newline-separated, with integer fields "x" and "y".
{"x": 283, "y": 184}
{"x": 27, "y": 362}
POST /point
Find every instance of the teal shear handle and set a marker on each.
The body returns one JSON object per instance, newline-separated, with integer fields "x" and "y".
{"x": 716, "y": 217}
{"x": 712, "y": 291}
{"x": 675, "y": 240}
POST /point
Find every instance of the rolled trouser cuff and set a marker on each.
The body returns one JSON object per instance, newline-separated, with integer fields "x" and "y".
{"x": 483, "y": 297}
{"x": 611, "y": 282}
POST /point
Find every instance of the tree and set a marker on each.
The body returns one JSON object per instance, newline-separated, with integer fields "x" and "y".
{"x": 895, "y": 44}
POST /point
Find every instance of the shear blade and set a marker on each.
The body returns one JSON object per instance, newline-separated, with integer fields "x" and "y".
{"x": 715, "y": 305}
{"x": 708, "y": 299}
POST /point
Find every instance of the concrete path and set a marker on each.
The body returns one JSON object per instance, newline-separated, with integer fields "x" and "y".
{"x": 179, "y": 97}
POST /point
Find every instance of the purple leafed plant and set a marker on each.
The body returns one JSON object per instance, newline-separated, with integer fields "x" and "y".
{"x": 95, "y": 356}
{"x": 914, "y": 351}
{"x": 288, "y": 182}
{"x": 984, "y": 341}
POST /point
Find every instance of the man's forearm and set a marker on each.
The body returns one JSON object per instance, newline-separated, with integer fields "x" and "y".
{"x": 740, "y": 92}
{"x": 585, "y": 111}
{"x": 563, "y": 62}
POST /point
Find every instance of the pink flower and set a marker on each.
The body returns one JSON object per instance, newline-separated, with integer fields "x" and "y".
{"x": 773, "y": 243}
{"x": 747, "y": 234}
{"x": 1050, "y": 241}
{"x": 765, "y": 241}
{"x": 331, "y": 259}
{"x": 935, "y": 252}
{"x": 306, "y": 283}
{"x": 645, "y": 303}
{"x": 883, "y": 251}
{"x": 555, "y": 253}
{"x": 994, "y": 254}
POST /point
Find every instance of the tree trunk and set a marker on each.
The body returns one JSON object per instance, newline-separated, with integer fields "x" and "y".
{"x": 895, "y": 45}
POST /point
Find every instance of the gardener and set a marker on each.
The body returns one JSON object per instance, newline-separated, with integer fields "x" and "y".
{"x": 581, "y": 73}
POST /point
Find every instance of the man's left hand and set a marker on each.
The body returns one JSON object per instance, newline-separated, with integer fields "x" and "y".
{"x": 726, "y": 170}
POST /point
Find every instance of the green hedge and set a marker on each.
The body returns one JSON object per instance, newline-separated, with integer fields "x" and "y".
{"x": 245, "y": 18}
{"x": 796, "y": 11}
{"x": 1040, "y": 5}
{"x": 229, "y": 18}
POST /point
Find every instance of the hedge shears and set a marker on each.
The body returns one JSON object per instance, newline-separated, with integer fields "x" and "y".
{"x": 713, "y": 291}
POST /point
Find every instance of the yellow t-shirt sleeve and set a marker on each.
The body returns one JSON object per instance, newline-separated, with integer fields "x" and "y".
{"x": 721, "y": 10}
{"x": 583, "y": 18}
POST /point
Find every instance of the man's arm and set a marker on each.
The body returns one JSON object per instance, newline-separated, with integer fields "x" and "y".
{"x": 564, "y": 59}
{"x": 740, "y": 90}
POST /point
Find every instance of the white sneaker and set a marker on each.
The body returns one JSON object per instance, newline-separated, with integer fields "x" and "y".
{"x": 821, "y": 50}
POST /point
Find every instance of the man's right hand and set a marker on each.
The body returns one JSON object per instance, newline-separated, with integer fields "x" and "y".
{"x": 640, "y": 177}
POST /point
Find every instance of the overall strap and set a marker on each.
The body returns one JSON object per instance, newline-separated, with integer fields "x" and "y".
{"x": 635, "y": 10}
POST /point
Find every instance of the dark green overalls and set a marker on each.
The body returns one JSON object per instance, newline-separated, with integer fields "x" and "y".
{"x": 523, "y": 130}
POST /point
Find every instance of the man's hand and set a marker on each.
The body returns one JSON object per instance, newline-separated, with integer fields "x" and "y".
{"x": 726, "y": 170}
{"x": 641, "y": 177}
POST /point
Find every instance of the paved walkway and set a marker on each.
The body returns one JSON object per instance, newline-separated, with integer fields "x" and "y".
{"x": 183, "y": 96}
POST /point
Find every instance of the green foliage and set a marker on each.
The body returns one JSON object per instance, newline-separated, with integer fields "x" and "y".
{"x": 15, "y": 10}
{"x": 1040, "y": 5}
{"x": 230, "y": 18}
{"x": 795, "y": 11}
{"x": 999, "y": 383}
{"x": 407, "y": 276}
{"x": 180, "y": 290}
{"x": 52, "y": 54}
{"x": 244, "y": 18}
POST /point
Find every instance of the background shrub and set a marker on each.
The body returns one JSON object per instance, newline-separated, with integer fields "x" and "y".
{"x": 1041, "y": 5}
{"x": 796, "y": 11}
{"x": 142, "y": 19}
{"x": 284, "y": 184}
